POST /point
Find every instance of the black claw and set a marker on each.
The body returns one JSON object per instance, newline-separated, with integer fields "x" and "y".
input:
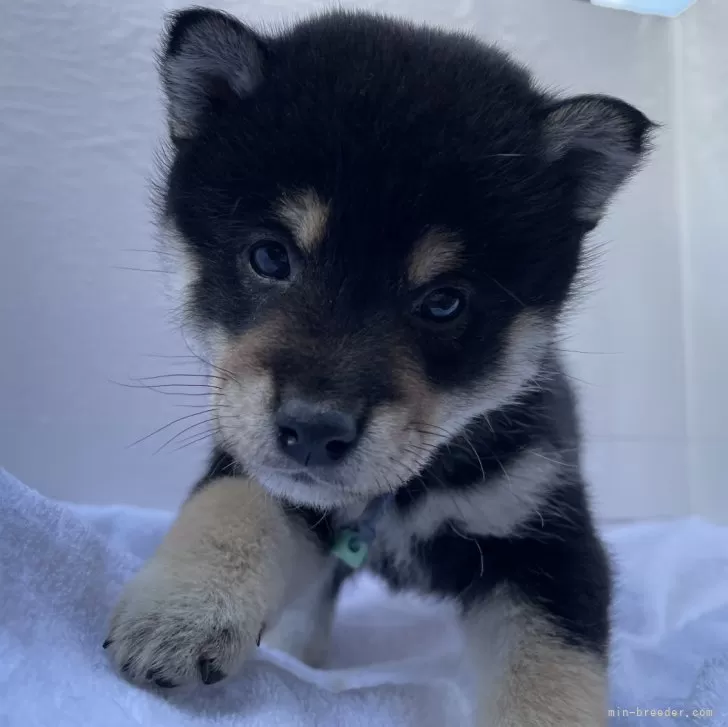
{"x": 260, "y": 635}
{"x": 209, "y": 673}
{"x": 126, "y": 667}
{"x": 107, "y": 643}
{"x": 159, "y": 681}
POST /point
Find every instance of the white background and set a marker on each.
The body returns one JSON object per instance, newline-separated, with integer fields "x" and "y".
{"x": 79, "y": 120}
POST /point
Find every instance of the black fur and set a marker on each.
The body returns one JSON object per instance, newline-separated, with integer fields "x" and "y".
{"x": 554, "y": 557}
{"x": 560, "y": 566}
{"x": 405, "y": 129}
{"x": 490, "y": 443}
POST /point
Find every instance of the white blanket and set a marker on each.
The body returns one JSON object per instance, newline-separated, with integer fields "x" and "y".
{"x": 396, "y": 661}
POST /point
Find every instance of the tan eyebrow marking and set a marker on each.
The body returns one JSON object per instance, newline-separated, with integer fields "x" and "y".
{"x": 305, "y": 215}
{"x": 438, "y": 251}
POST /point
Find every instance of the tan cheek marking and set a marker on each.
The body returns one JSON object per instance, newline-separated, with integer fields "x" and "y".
{"x": 398, "y": 429}
{"x": 418, "y": 396}
{"x": 305, "y": 215}
{"x": 437, "y": 252}
{"x": 244, "y": 353}
{"x": 438, "y": 415}
{"x": 245, "y": 399}
{"x": 526, "y": 345}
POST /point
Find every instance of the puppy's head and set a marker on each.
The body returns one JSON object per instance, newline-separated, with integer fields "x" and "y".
{"x": 380, "y": 224}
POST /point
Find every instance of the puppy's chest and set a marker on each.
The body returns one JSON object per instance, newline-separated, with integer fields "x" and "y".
{"x": 398, "y": 558}
{"x": 435, "y": 554}
{"x": 397, "y": 553}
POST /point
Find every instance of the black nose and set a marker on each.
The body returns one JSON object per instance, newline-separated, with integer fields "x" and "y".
{"x": 315, "y": 436}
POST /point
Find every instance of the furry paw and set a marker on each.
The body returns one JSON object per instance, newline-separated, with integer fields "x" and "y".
{"x": 171, "y": 628}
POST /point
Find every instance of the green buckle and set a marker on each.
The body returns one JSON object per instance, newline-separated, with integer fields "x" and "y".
{"x": 350, "y": 548}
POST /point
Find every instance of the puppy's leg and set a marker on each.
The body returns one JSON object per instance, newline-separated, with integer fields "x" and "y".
{"x": 198, "y": 606}
{"x": 529, "y": 674}
{"x": 304, "y": 628}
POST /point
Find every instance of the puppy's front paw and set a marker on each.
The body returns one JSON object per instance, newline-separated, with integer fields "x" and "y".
{"x": 172, "y": 627}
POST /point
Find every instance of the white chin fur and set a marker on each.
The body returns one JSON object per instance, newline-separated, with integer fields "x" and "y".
{"x": 319, "y": 495}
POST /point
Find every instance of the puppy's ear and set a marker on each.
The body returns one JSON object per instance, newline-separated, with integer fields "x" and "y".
{"x": 601, "y": 141}
{"x": 208, "y": 61}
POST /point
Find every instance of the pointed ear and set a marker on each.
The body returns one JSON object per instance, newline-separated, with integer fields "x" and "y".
{"x": 208, "y": 61}
{"x": 602, "y": 141}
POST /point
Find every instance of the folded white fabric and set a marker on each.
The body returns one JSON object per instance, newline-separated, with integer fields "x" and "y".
{"x": 396, "y": 661}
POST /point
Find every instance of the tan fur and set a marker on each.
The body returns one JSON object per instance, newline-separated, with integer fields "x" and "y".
{"x": 436, "y": 253}
{"x": 245, "y": 353}
{"x": 223, "y": 573}
{"x": 527, "y": 675}
{"x": 244, "y": 400}
{"x": 306, "y": 216}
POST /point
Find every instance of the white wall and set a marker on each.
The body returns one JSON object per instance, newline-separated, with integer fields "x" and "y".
{"x": 702, "y": 83}
{"x": 79, "y": 118}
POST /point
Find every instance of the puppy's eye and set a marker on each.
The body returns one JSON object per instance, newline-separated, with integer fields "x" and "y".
{"x": 442, "y": 305}
{"x": 269, "y": 259}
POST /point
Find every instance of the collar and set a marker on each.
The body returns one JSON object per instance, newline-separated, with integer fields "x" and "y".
{"x": 353, "y": 541}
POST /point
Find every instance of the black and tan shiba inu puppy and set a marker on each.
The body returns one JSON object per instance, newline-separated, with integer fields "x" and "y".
{"x": 380, "y": 226}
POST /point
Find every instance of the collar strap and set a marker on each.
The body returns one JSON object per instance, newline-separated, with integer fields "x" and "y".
{"x": 353, "y": 541}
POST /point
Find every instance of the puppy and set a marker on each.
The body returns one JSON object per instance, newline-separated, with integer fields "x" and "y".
{"x": 380, "y": 225}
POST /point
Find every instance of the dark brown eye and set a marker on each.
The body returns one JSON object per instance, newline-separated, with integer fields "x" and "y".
{"x": 442, "y": 305}
{"x": 269, "y": 259}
